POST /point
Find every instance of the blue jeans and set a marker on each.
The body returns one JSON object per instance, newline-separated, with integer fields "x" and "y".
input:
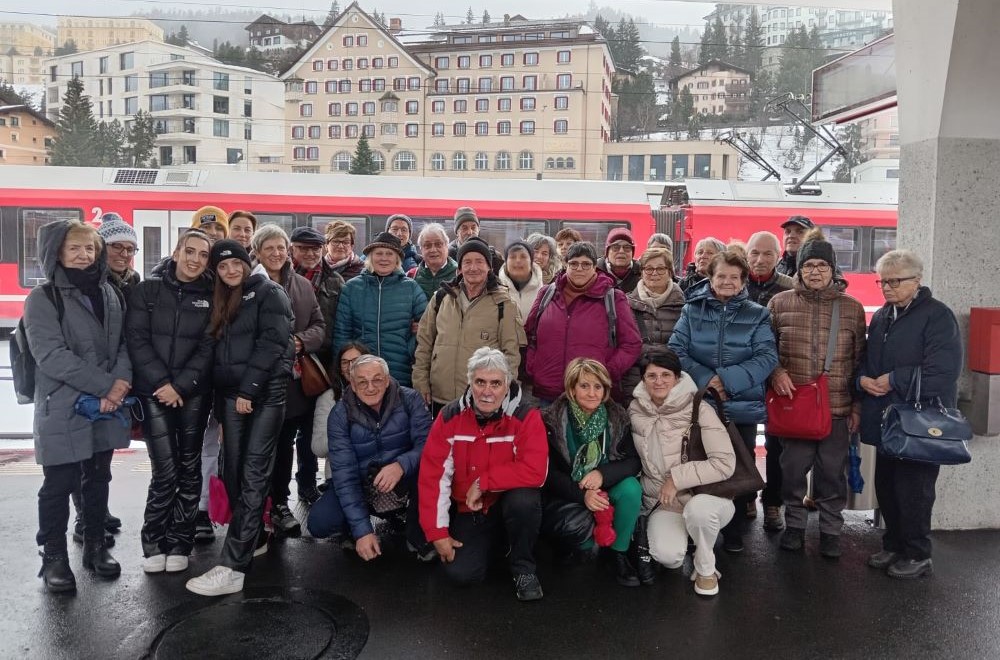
{"x": 326, "y": 517}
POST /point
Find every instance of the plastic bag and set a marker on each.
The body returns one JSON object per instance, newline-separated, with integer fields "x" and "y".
{"x": 854, "y": 478}
{"x": 218, "y": 501}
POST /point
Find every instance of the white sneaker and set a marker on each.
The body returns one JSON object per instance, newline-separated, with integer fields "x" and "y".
{"x": 176, "y": 563}
{"x": 219, "y": 581}
{"x": 154, "y": 564}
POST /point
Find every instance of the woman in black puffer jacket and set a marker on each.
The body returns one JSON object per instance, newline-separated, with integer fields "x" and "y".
{"x": 166, "y": 329}
{"x": 252, "y": 323}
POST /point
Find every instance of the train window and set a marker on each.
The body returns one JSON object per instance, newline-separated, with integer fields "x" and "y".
{"x": 31, "y": 221}
{"x": 378, "y": 224}
{"x": 883, "y": 240}
{"x": 152, "y": 248}
{"x": 595, "y": 232}
{"x": 284, "y": 220}
{"x": 8, "y": 235}
{"x": 501, "y": 233}
{"x": 846, "y": 243}
{"x": 360, "y": 227}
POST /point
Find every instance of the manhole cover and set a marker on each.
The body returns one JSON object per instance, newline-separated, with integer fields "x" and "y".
{"x": 259, "y": 623}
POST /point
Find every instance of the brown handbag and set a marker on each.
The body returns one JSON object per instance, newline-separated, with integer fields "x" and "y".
{"x": 746, "y": 477}
{"x": 315, "y": 380}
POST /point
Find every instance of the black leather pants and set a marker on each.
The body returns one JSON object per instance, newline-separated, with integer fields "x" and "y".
{"x": 566, "y": 524}
{"x": 173, "y": 440}
{"x": 248, "y": 449}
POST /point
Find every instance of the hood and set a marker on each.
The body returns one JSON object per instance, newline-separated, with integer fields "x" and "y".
{"x": 50, "y": 240}
{"x": 675, "y": 298}
{"x": 702, "y": 292}
{"x": 452, "y": 287}
{"x": 534, "y": 280}
{"x": 679, "y": 397}
{"x": 169, "y": 275}
{"x": 597, "y": 288}
{"x": 508, "y": 407}
{"x": 836, "y": 288}
{"x": 449, "y": 267}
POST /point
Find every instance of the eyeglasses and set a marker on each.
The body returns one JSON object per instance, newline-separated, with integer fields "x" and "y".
{"x": 621, "y": 247}
{"x": 376, "y": 382}
{"x": 580, "y": 265}
{"x": 340, "y": 243}
{"x": 654, "y": 378}
{"x": 482, "y": 383}
{"x": 658, "y": 270}
{"x": 127, "y": 250}
{"x": 822, "y": 268}
{"x": 894, "y": 282}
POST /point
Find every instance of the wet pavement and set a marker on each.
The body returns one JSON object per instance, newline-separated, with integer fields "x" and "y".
{"x": 307, "y": 599}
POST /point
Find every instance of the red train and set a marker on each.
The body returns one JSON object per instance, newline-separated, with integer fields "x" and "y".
{"x": 860, "y": 219}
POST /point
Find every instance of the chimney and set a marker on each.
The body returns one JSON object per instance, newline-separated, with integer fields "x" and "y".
{"x": 395, "y": 26}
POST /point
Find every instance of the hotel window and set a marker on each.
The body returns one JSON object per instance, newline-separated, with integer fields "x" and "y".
{"x": 351, "y": 130}
{"x": 331, "y": 86}
{"x": 464, "y": 61}
{"x": 348, "y": 41}
{"x": 486, "y": 84}
{"x": 365, "y": 85}
{"x": 368, "y": 108}
{"x": 562, "y": 103}
{"x": 482, "y": 128}
{"x": 530, "y": 83}
{"x": 305, "y": 110}
{"x": 312, "y": 87}
{"x": 348, "y": 64}
{"x": 393, "y": 62}
{"x": 507, "y": 59}
{"x": 528, "y": 103}
{"x": 525, "y": 160}
{"x": 437, "y": 107}
{"x": 527, "y": 128}
{"x": 564, "y": 81}
{"x": 440, "y": 62}
{"x": 441, "y": 85}
{"x": 503, "y": 160}
{"x": 458, "y": 161}
{"x": 506, "y": 83}
{"x": 298, "y": 132}
{"x": 563, "y": 57}
{"x": 461, "y": 106}
{"x": 362, "y": 62}
{"x": 503, "y": 105}
{"x": 437, "y": 162}
{"x": 503, "y": 128}
{"x": 351, "y": 109}
{"x": 459, "y": 129}
{"x": 437, "y": 129}
{"x": 315, "y": 132}
{"x": 414, "y": 83}
{"x": 531, "y": 59}
{"x": 485, "y": 61}
{"x": 560, "y": 127}
{"x": 482, "y": 105}
{"x": 412, "y": 107}
{"x": 412, "y": 130}
{"x": 317, "y": 65}
{"x": 399, "y": 84}
{"x": 334, "y": 131}
{"x": 332, "y": 65}
{"x": 378, "y": 63}
{"x": 345, "y": 86}
{"x": 463, "y": 85}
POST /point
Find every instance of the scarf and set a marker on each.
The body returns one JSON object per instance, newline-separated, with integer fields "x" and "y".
{"x": 620, "y": 273}
{"x": 761, "y": 280}
{"x": 571, "y": 292}
{"x": 339, "y": 264}
{"x": 655, "y": 300}
{"x": 88, "y": 281}
{"x": 588, "y": 431}
{"x": 311, "y": 274}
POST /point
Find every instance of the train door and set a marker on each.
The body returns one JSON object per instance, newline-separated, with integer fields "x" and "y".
{"x": 157, "y": 232}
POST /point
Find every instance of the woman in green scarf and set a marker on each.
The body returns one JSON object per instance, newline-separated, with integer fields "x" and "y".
{"x": 592, "y": 467}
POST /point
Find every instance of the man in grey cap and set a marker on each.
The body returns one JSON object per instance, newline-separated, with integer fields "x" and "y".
{"x": 467, "y": 226}
{"x": 307, "y": 245}
{"x": 794, "y": 229}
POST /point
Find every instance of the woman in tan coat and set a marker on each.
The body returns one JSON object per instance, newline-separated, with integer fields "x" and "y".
{"x": 661, "y": 416}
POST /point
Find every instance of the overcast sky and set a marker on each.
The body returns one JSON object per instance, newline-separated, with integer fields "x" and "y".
{"x": 655, "y": 11}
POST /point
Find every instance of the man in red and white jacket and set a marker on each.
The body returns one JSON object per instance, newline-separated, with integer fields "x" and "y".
{"x": 481, "y": 474}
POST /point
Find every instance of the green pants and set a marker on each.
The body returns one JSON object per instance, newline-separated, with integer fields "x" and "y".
{"x": 626, "y": 498}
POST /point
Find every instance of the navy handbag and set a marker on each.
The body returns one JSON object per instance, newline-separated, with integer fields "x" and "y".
{"x": 925, "y": 432}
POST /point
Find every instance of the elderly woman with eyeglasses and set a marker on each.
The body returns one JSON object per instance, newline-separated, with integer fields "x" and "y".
{"x": 912, "y": 331}
{"x": 580, "y": 314}
{"x": 656, "y": 303}
{"x": 802, "y": 320}
{"x": 697, "y": 271}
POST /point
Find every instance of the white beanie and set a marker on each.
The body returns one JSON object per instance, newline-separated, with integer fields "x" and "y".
{"x": 114, "y": 229}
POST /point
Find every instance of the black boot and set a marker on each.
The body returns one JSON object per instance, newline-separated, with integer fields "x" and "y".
{"x": 624, "y": 571}
{"x": 112, "y": 523}
{"x": 109, "y": 538}
{"x": 97, "y": 558}
{"x": 56, "y": 572}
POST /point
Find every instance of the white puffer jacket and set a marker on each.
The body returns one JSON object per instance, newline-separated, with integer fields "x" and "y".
{"x": 524, "y": 298}
{"x": 658, "y": 432}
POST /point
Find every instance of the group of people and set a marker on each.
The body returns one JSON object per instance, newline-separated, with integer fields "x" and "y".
{"x": 543, "y": 391}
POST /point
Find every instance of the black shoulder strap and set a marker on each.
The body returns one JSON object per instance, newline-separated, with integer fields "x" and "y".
{"x": 548, "y": 293}
{"x": 52, "y": 293}
{"x": 438, "y": 297}
{"x": 609, "y": 306}
{"x": 500, "y": 312}
{"x": 640, "y": 321}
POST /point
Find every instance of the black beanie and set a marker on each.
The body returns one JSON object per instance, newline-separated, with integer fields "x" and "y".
{"x": 524, "y": 246}
{"x": 227, "y": 249}
{"x": 816, "y": 248}
{"x": 475, "y": 244}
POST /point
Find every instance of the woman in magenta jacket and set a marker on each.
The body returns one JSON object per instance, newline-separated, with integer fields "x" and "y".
{"x": 574, "y": 323}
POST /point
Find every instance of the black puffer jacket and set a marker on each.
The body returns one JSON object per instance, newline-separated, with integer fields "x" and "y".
{"x": 167, "y": 332}
{"x": 256, "y": 347}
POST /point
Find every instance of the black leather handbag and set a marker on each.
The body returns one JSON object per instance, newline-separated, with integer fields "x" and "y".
{"x": 746, "y": 477}
{"x": 925, "y": 432}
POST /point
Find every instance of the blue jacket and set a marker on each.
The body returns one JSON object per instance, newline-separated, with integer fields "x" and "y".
{"x": 925, "y": 334}
{"x": 357, "y": 439}
{"x": 379, "y": 312}
{"x": 732, "y": 340}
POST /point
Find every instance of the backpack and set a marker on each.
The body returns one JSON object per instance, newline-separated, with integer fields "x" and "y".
{"x": 609, "y": 307}
{"x": 22, "y": 362}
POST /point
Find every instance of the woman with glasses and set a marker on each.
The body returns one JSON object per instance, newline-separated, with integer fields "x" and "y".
{"x": 592, "y": 467}
{"x": 704, "y": 251}
{"x": 661, "y": 418}
{"x": 913, "y": 332}
{"x": 802, "y": 320}
{"x": 580, "y": 314}
{"x": 656, "y": 303}
{"x": 340, "y": 256}
{"x": 725, "y": 343}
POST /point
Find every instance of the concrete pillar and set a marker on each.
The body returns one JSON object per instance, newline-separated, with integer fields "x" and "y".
{"x": 948, "y": 81}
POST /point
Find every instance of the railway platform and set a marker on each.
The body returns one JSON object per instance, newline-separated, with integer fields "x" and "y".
{"x": 308, "y": 599}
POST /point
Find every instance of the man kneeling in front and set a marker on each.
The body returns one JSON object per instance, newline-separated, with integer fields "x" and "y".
{"x": 480, "y": 477}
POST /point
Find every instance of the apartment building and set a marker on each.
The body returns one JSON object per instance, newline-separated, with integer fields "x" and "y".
{"x": 26, "y": 38}
{"x": 667, "y": 160}
{"x": 514, "y": 99}
{"x": 268, "y": 33}
{"x": 25, "y": 136}
{"x": 717, "y": 88}
{"x": 205, "y": 112}
{"x": 93, "y": 32}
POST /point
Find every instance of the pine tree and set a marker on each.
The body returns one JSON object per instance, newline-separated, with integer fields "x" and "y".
{"x": 363, "y": 161}
{"x": 720, "y": 45}
{"x": 603, "y": 28}
{"x": 487, "y": 19}
{"x": 332, "y": 15}
{"x": 850, "y": 138}
{"x": 67, "y": 48}
{"x": 683, "y": 108}
{"x": 183, "y": 35}
{"x": 10, "y": 96}
{"x": 630, "y": 47}
{"x": 705, "y": 52}
{"x": 795, "y": 69}
{"x": 141, "y": 140}
{"x": 109, "y": 147}
{"x": 439, "y": 20}
{"x": 675, "y": 52}
{"x": 470, "y": 18}
{"x": 753, "y": 42}
{"x": 75, "y": 128}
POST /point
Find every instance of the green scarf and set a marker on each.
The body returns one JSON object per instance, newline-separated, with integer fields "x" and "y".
{"x": 589, "y": 432}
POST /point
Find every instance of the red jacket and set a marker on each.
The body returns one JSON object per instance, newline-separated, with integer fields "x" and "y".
{"x": 509, "y": 452}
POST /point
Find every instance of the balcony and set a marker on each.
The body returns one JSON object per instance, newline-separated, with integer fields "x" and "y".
{"x": 738, "y": 88}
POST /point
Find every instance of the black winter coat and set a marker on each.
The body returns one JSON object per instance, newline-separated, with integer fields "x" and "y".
{"x": 925, "y": 334}
{"x": 623, "y": 459}
{"x": 166, "y": 327}
{"x": 255, "y": 347}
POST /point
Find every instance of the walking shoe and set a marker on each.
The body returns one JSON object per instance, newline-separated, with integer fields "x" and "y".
{"x": 706, "y": 585}
{"x": 772, "y": 519}
{"x": 97, "y": 558}
{"x": 262, "y": 542}
{"x": 732, "y": 543}
{"x": 882, "y": 559}
{"x": 645, "y": 568}
{"x": 154, "y": 564}
{"x": 528, "y": 587}
{"x": 112, "y": 523}
{"x": 55, "y": 572}
{"x": 425, "y": 553}
{"x": 218, "y": 581}
{"x": 284, "y": 521}
{"x": 751, "y": 509}
{"x": 624, "y": 571}
{"x": 829, "y": 545}
{"x": 309, "y": 494}
{"x": 793, "y": 539}
{"x": 203, "y": 529}
{"x": 906, "y": 569}
{"x": 109, "y": 539}
{"x": 176, "y": 563}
